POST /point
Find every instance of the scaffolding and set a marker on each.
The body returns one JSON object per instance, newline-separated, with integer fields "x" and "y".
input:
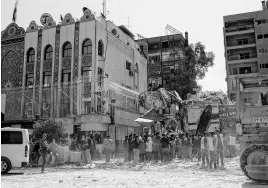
{"x": 50, "y": 101}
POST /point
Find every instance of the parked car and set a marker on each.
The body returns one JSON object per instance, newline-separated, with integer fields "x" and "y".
{"x": 14, "y": 148}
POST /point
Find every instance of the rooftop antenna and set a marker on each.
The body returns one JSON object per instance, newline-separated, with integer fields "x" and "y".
{"x": 128, "y": 26}
{"x": 140, "y": 36}
{"x": 104, "y": 8}
{"x": 171, "y": 30}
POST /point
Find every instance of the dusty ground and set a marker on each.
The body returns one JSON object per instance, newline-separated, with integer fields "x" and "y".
{"x": 175, "y": 174}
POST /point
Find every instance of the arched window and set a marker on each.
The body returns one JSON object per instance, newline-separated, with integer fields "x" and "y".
{"x": 30, "y": 55}
{"x": 100, "y": 48}
{"x": 87, "y": 47}
{"x": 67, "y": 50}
{"x": 48, "y": 52}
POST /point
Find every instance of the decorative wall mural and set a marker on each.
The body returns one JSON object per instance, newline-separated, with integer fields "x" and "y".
{"x": 33, "y": 27}
{"x": 47, "y": 21}
{"x": 87, "y": 60}
{"x": 75, "y": 68}
{"x": 88, "y": 16}
{"x": 56, "y": 56}
{"x": 66, "y": 63}
{"x": 76, "y": 50}
{"x": 12, "y": 53}
{"x": 39, "y": 44}
{"x": 13, "y": 106}
{"x": 68, "y": 19}
{"x": 30, "y": 67}
{"x": 47, "y": 65}
{"x": 10, "y": 69}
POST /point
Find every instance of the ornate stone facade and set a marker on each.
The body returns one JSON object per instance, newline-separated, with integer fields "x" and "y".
{"x": 12, "y": 54}
{"x": 88, "y": 16}
{"x": 68, "y": 19}
{"x": 33, "y": 27}
{"x": 39, "y": 49}
{"x": 47, "y": 21}
{"x": 56, "y": 56}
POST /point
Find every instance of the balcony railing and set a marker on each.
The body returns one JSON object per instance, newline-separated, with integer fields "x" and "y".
{"x": 241, "y": 57}
{"x": 241, "y": 42}
{"x": 239, "y": 28}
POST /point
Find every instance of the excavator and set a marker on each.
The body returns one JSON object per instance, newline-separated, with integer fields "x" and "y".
{"x": 252, "y": 118}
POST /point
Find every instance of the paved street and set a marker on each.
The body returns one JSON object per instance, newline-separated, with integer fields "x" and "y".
{"x": 176, "y": 174}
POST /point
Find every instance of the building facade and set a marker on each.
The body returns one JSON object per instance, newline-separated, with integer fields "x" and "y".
{"x": 246, "y": 46}
{"x": 73, "y": 70}
{"x": 165, "y": 54}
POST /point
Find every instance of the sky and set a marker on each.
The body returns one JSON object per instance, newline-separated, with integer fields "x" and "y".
{"x": 202, "y": 19}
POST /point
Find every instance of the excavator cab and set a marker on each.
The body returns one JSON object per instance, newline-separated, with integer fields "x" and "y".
{"x": 252, "y": 113}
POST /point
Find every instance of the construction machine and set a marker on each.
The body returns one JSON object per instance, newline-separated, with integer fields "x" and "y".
{"x": 252, "y": 118}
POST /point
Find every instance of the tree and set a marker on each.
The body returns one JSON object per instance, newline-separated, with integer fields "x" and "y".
{"x": 53, "y": 127}
{"x": 193, "y": 66}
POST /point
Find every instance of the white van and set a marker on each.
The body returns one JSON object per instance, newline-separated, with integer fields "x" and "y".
{"x": 14, "y": 148}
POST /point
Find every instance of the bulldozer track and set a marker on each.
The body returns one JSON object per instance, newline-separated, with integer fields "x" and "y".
{"x": 243, "y": 160}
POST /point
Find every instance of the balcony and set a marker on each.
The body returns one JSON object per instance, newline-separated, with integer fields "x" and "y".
{"x": 238, "y": 30}
{"x": 244, "y": 43}
{"x": 243, "y": 75}
{"x": 235, "y": 59}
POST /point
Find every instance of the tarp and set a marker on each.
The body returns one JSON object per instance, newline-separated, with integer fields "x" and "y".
{"x": 142, "y": 120}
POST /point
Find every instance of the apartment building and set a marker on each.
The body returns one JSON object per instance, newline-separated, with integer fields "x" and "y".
{"x": 246, "y": 46}
{"x": 75, "y": 70}
{"x": 165, "y": 54}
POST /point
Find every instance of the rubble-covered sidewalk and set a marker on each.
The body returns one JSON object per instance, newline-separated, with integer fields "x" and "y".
{"x": 117, "y": 174}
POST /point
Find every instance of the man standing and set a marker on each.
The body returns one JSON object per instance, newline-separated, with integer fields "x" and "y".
{"x": 126, "y": 148}
{"x": 54, "y": 149}
{"x": 108, "y": 146}
{"x": 204, "y": 150}
{"x": 197, "y": 147}
{"x": 164, "y": 147}
{"x": 157, "y": 147}
{"x": 89, "y": 149}
{"x": 43, "y": 150}
{"x": 212, "y": 150}
{"x": 130, "y": 149}
{"x": 220, "y": 148}
{"x": 135, "y": 145}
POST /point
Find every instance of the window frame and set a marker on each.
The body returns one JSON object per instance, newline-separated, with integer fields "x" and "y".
{"x": 67, "y": 50}
{"x": 5, "y": 141}
{"x": 66, "y": 72}
{"x": 47, "y": 74}
{"x": 29, "y": 76}
{"x": 48, "y": 54}
{"x": 31, "y": 55}
{"x": 87, "y": 47}
{"x": 100, "y": 48}
{"x": 128, "y": 65}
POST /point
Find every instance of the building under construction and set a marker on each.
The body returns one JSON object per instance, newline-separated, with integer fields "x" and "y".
{"x": 165, "y": 55}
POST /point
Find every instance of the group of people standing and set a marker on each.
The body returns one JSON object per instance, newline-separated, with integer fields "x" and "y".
{"x": 208, "y": 148}
{"x": 156, "y": 147}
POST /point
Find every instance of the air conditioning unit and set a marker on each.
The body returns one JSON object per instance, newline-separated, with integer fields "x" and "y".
{"x": 158, "y": 72}
{"x": 228, "y": 52}
{"x": 131, "y": 73}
